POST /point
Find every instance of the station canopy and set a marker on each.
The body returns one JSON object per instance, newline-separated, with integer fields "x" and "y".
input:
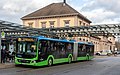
{"x": 93, "y": 30}
{"x": 13, "y": 29}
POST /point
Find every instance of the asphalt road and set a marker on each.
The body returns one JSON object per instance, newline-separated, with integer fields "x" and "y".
{"x": 98, "y": 66}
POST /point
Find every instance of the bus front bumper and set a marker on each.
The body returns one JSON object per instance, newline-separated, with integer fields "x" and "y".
{"x": 30, "y": 62}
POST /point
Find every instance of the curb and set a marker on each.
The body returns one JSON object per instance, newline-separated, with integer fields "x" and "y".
{"x": 106, "y": 56}
{"x": 100, "y": 56}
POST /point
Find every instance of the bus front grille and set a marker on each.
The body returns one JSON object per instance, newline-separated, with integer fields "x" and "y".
{"x": 24, "y": 61}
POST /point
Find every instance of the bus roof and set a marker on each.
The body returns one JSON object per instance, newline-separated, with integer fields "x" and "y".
{"x": 55, "y": 39}
{"x": 88, "y": 43}
{"x": 71, "y": 41}
{"x": 60, "y": 40}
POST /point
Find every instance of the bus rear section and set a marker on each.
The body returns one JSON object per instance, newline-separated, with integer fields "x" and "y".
{"x": 83, "y": 51}
{"x": 54, "y": 51}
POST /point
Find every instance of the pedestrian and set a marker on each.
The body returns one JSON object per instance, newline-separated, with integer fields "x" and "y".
{"x": 13, "y": 56}
{"x": 7, "y": 55}
{"x": 115, "y": 52}
{"x": 3, "y": 55}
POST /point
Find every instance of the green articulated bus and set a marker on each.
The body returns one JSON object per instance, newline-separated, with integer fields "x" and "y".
{"x": 40, "y": 51}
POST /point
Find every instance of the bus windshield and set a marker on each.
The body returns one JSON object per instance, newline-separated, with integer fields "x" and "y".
{"x": 26, "y": 49}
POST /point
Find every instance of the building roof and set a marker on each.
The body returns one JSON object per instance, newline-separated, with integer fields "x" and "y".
{"x": 55, "y": 10}
{"x": 95, "y": 37}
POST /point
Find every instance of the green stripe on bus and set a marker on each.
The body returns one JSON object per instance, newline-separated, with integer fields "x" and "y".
{"x": 81, "y": 58}
{"x": 62, "y": 60}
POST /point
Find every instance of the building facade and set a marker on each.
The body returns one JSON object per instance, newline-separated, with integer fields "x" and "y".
{"x": 62, "y": 15}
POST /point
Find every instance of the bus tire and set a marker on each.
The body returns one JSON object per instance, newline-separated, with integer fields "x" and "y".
{"x": 50, "y": 62}
{"x": 16, "y": 65}
{"x": 69, "y": 59}
{"x": 88, "y": 58}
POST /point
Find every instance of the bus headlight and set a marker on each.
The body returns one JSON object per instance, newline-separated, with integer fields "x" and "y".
{"x": 34, "y": 61}
{"x": 41, "y": 59}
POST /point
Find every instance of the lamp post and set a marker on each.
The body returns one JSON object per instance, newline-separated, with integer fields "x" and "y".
{"x": 0, "y": 44}
{"x": 118, "y": 43}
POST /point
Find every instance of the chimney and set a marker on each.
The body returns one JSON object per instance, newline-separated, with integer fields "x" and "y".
{"x": 64, "y": 3}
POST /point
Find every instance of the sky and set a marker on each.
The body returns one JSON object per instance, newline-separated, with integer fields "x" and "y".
{"x": 97, "y": 11}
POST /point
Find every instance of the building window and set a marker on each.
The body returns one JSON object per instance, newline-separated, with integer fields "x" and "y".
{"x": 67, "y": 23}
{"x": 83, "y": 24}
{"x": 87, "y": 25}
{"x": 43, "y": 24}
{"x": 83, "y": 39}
{"x": 52, "y": 24}
{"x": 30, "y": 24}
{"x": 80, "y": 22}
{"x": 79, "y": 38}
{"x": 86, "y": 40}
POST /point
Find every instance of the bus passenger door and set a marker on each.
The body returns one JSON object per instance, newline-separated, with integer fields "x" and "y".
{"x": 42, "y": 50}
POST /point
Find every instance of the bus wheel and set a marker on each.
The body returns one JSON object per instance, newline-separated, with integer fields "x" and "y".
{"x": 50, "y": 62}
{"x": 69, "y": 59}
{"x": 17, "y": 65}
{"x": 88, "y": 58}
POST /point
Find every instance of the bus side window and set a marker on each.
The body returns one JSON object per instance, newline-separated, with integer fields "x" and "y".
{"x": 55, "y": 46}
{"x": 83, "y": 48}
{"x": 52, "y": 46}
{"x": 79, "y": 48}
{"x": 62, "y": 49}
{"x": 43, "y": 46}
{"x": 46, "y": 46}
{"x": 69, "y": 48}
{"x": 88, "y": 49}
{"x": 39, "y": 46}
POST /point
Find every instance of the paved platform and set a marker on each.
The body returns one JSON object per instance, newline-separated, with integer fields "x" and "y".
{"x": 6, "y": 65}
